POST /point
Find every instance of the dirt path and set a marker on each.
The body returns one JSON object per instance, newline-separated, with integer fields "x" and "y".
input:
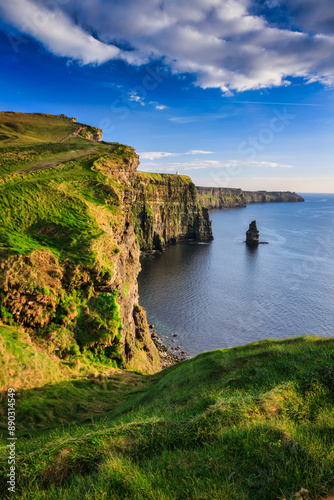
{"x": 46, "y": 164}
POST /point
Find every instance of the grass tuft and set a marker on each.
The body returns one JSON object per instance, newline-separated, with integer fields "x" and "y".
{"x": 252, "y": 422}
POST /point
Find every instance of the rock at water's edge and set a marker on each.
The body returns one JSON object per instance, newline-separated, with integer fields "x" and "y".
{"x": 252, "y": 235}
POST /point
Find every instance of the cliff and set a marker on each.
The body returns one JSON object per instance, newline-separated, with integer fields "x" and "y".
{"x": 74, "y": 214}
{"x": 166, "y": 210}
{"x": 70, "y": 258}
{"x": 212, "y": 198}
{"x": 272, "y": 197}
{"x": 252, "y": 421}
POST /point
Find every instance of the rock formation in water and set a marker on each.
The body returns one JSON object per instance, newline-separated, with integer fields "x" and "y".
{"x": 252, "y": 234}
{"x": 212, "y": 198}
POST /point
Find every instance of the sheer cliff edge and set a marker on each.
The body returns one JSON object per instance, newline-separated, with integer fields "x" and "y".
{"x": 74, "y": 216}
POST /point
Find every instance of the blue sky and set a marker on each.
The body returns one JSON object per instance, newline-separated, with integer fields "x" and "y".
{"x": 234, "y": 93}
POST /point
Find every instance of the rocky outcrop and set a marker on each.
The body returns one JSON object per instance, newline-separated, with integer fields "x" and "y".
{"x": 212, "y": 198}
{"x": 252, "y": 235}
{"x": 91, "y": 134}
{"x": 166, "y": 210}
{"x": 88, "y": 132}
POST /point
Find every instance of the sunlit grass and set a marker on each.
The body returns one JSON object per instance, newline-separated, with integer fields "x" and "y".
{"x": 252, "y": 422}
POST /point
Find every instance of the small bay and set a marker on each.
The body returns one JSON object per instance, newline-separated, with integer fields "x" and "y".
{"x": 223, "y": 293}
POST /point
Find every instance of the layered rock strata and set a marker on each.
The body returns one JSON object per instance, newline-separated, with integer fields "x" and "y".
{"x": 166, "y": 210}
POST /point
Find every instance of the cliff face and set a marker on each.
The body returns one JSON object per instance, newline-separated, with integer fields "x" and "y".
{"x": 69, "y": 256}
{"x": 166, "y": 210}
{"x": 220, "y": 197}
{"x": 137, "y": 347}
{"x": 232, "y": 198}
{"x": 271, "y": 197}
{"x": 71, "y": 234}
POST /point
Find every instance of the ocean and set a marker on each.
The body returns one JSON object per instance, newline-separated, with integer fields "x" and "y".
{"x": 223, "y": 293}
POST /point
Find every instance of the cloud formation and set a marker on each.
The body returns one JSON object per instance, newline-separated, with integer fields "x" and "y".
{"x": 234, "y": 45}
{"x": 209, "y": 164}
{"x": 154, "y": 155}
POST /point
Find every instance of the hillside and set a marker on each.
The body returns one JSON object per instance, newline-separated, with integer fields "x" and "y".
{"x": 71, "y": 213}
{"x": 212, "y": 198}
{"x": 31, "y": 128}
{"x": 252, "y": 422}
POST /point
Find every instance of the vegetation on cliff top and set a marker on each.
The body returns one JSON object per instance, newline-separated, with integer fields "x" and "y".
{"x": 57, "y": 214}
{"x": 32, "y": 128}
{"x": 251, "y": 422}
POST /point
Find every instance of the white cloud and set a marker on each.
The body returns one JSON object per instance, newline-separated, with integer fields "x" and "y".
{"x": 134, "y": 97}
{"x": 209, "y": 164}
{"x": 57, "y": 32}
{"x": 199, "y": 152}
{"x": 234, "y": 45}
{"x": 154, "y": 155}
{"x": 158, "y": 106}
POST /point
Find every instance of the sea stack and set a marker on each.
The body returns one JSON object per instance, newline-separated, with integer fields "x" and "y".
{"x": 252, "y": 235}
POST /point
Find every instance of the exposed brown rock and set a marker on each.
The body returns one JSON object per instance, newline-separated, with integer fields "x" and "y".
{"x": 252, "y": 235}
{"x": 166, "y": 210}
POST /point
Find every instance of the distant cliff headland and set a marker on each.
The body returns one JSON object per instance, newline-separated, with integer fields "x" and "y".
{"x": 212, "y": 197}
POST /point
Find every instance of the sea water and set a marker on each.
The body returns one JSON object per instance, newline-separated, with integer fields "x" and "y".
{"x": 223, "y": 293}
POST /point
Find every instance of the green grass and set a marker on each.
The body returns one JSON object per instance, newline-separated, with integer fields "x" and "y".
{"x": 25, "y": 128}
{"x": 22, "y": 364}
{"x": 30, "y": 128}
{"x": 252, "y": 422}
{"x": 56, "y": 243}
{"x": 51, "y": 208}
{"x": 172, "y": 178}
{"x": 25, "y": 158}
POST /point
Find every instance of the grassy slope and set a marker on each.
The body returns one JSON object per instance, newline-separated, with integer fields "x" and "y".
{"x": 25, "y": 128}
{"x": 32, "y": 140}
{"x": 252, "y": 422}
{"x": 32, "y": 128}
{"x": 22, "y": 364}
{"x": 55, "y": 242}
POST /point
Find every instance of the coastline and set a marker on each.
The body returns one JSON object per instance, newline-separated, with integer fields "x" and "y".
{"x": 167, "y": 354}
